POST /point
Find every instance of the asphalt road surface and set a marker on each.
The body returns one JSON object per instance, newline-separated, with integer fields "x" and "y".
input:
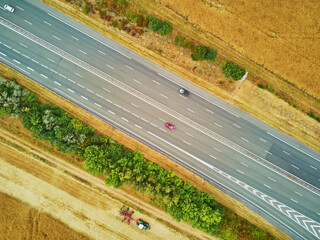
{"x": 271, "y": 173}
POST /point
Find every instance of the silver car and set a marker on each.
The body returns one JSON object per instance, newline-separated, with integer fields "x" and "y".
{"x": 8, "y": 8}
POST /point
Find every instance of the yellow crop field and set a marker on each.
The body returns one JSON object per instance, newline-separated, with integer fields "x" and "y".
{"x": 281, "y": 36}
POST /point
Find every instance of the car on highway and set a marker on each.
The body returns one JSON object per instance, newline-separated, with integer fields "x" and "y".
{"x": 184, "y": 91}
{"x": 170, "y": 126}
{"x": 8, "y": 8}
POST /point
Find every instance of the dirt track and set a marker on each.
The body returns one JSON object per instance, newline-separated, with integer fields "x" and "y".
{"x": 85, "y": 205}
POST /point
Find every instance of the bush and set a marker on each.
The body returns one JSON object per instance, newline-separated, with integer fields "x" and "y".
{"x": 157, "y": 25}
{"x": 165, "y": 29}
{"x": 232, "y": 70}
{"x": 202, "y": 52}
{"x": 114, "y": 23}
{"x": 85, "y": 9}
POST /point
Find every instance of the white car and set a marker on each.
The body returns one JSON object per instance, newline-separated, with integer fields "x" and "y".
{"x": 8, "y": 8}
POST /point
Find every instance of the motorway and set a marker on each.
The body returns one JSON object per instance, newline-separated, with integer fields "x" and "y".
{"x": 230, "y": 149}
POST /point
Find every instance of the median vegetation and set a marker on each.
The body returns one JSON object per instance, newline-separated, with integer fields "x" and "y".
{"x": 102, "y": 156}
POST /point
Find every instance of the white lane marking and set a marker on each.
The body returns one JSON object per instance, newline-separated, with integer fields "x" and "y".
{"x": 89, "y": 90}
{"x": 286, "y": 152}
{"x": 268, "y": 152}
{"x": 111, "y": 112}
{"x": 108, "y": 100}
{"x": 156, "y": 82}
{"x": 82, "y": 52}
{"x": 244, "y": 164}
{"x": 154, "y": 125}
{"x": 30, "y": 69}
{"x": 110, "y": 66}
{"x": 124, "y": 119}
{"x": 240, "y": 171}
{"x": 267, "y": 186}
{"x": 190, "y": 110}
{"x": 162, "y": 129}
{"x": 186, "y": 142}
{"x": 136, "y": 115}
{"x": 62, "y": 76}
{"x": 47, "y": 23}
{"x": 313, "y": 167}
{"x": 217, "y": 149}
{"x": 71, "y": 80}
{"x": 56, "y": 37}
{"x": 136, "y": 81}
{"x": 28, "y": 22}
{"x": 44, "y": 66}
{"x": 318, "y": 214}
{"x": 84, "y": 98}
{"x": 126, "y": 110}
{"x": 129, "y": 67}
{"x": 293, "y": 200}
{"x": 44, "y": 76}
{"x": 53, "y": 71}
{"x": 34, "y": 61}
{"x": 106, "y": 90}
{"x": 244, "y": 139}
{"x": 97, "y": 105}
{"x": 218, "y": 125}
{"x": 70, "y": 90}
{"x": 7, "y": 46}
{"x": 23, "y": 45}
{"x": 89, "y": 36}
{"x": 25, "y": 56}
{"x": 20, "y": 8}
{"x": 272, "y": 179}
{"x": 80, "y": 85}
{"x": 294, "y": 166}
{"x": 180, "y": 95}
{"x": 213, "y": 157}
{"x": 16, "y": 61}
{"x": 144, "y": 120}
{"x": 16, "y": 66}
{"x": 209, "y": 111}
{"x": 162, "y": 120}
{"x": 189, "y": 134}
{"x": 262, "y": 139}
{"x": 78, "y": 74}
{"x": 77, "y": 39}
{"x": 117, "y": 105}
{"x": 135, "y": 105}
{"x": 293, "y": 146}
{"x": 51, "y": 60}
{"x": 138, "y": 126}
{"x": 16, "y": 51}
{"x": 99, "y": 95}
{"x": 298, "y": 193}
{"x": 163, "y": 95}
{"x": 3, "y": 54}
{"x": 101, "y": 52}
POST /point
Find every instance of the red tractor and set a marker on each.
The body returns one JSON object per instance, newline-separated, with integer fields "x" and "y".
{"x": 127, "y": 217}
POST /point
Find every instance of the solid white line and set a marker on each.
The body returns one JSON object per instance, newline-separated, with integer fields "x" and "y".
{"x": 124, "y": 119}
{"x": 266, "y": 186}
{"x": 294, "y": 166}
{"x": 30, "y": 69}
{"x": 108, "y": 100}
{"x": 244, "y": 164}
{"x": 163, "y": 95}
{"x": 90, "y": 90}
{"x": 188, "y": 134}
{"x": 244, "y": 139}
{"x": 101, "y": 52}
{"x": 137, "y": 81}
{"x": 25, "y": 56}
{"x": 268, "y": 152}
{"x": 99, "y": 95}
{"x": 97, "y": 105}
{"x": 77, "y": 39}
{"x": 80, "y": 85}
{"x": 286, "y": 152}
{"x": 56, "y": 37}
{"x": 23, "y": 45}
{"x": 314, "y": 167}
{"x": 51, "y": 60}
{"x": 84, "y": 98}
{"x": 138, "y": 126}
{"x": 16, "y": 61}
{"x": 7, "y": 46}
{"x": 117, "y": 105}
{"x": 262, "y": 139}
{"x": 28, "y": 22}
{"x": 190, "y": 110}
{"x": 126, "y": 110}
{"x": 213, "y": 157}
{"x": 53, "y": 71}
{"x": 111, "y": 112}
{"x": 217, "y": 149}
{"x": 293, "y": 200}
{"x": 70, "y": 90}
{"x": 106, "y": 90}
{"x": 82, "y": 51}
{"x": 135, "y": 105}
{"x": 186, "y": 142}
{"x": 129, "y": 67}
{"x": 156, "y": 82}
{"x": 110, "y": 66}
{"x": 62, "y": 75}
{"x": 137, "y": 116}
{"x": 218, "y": 125}
{"x": 34, "y": 61}
{"x": 272, "y": 179}
{"x": 78, "y": 75}
{"x": 71, "y": 80}
{"x": 298, "y": 193}
{"x": 162, "y": 120}
{"x": 3, "y": 54}
{"x": 293, "y": 146}
{"x": 47, "y": 23}
{"x": 209, "y": 111}
{"x": 16, "y": 51}
{"x": 240, "y": 171}
{"x": 20, "y": 8}
{"x": 44, "y": 76}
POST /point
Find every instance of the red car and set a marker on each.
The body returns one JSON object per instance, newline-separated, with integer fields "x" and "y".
{"x": 170, "y": 126}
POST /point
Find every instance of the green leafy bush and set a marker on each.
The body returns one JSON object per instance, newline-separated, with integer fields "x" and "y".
{"x": 202, "y": 52}
{"x": 233, "y": 70}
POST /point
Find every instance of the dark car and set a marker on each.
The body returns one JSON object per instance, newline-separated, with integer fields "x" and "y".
{"x": 170, "y": 126}
{"x": 184, "y": 91}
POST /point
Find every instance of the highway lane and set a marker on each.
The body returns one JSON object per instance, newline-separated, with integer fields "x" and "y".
{"x": 160, "y": 113}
